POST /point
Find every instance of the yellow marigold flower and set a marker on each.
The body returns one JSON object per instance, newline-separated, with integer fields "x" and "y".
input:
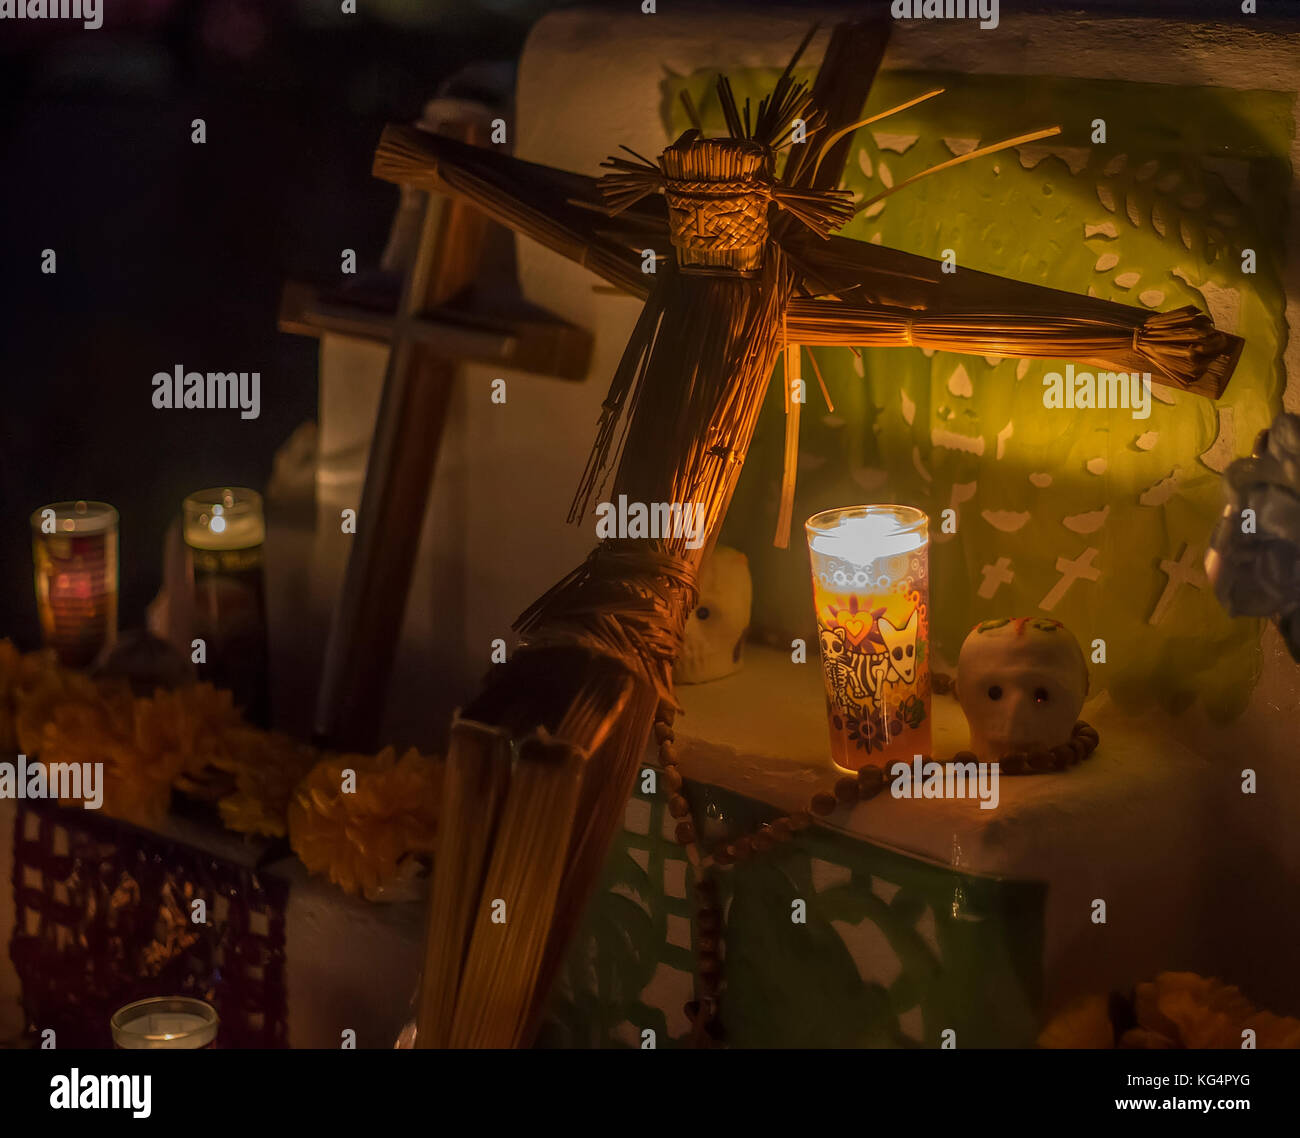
{"x": 137, "y": 783}
{"x": 180, "y": 728}
{"x": 266, "y": 766}
{"x": 1175, "y": 1010}
{"x": 1141, "y": 1039}
{"x": 194, "y": 739}
{"x": 1274, "y": 1031}
{"x": 1182, "y": 1009}
{"x": 358, "y": 839}
{"x": 1083, "y": 1023}
{"x": 1194, "y": 1011}
{"x": 42, "y": 687}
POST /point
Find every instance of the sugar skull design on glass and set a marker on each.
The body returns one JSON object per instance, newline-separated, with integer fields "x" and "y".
{"x": 870, "y": 589}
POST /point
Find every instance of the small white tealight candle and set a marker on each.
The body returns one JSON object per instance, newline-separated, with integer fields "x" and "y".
{"x": 165, "y": 1023}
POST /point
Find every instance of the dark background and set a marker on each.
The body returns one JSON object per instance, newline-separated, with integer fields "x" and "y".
{"x": 170, "y": 252}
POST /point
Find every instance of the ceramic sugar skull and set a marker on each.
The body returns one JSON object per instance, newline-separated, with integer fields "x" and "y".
{"x": 715, "y": 631}
{"x": 1021, "y": 684}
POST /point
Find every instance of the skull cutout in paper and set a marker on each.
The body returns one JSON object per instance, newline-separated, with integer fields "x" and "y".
{"x": 715, "y": 631}
{"x": 1021, "y": 684}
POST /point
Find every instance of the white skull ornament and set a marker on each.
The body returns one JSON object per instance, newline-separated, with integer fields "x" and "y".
{"x": 715, "y": 632}
{"x": 1021, "y": 684}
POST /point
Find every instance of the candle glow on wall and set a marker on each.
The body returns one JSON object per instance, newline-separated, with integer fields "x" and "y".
{"x": 74, "y": 551}
{"x": 870, "y": 568}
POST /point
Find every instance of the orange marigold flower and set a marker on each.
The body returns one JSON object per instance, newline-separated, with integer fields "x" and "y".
{"x": 266, "y": 766}
{"x": 1083, "y": 1023}
{"x": 359, "y": 832}
{"x": 1194, "y": 1011}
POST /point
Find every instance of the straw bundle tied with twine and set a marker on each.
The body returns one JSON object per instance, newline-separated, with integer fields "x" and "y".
{"x": 541, "y": 764}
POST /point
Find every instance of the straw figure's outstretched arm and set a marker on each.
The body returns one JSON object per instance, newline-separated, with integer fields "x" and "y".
{"x": 561, "y": 211}
{"x": 885, "y": 297}
{"x": 848, "y": 292}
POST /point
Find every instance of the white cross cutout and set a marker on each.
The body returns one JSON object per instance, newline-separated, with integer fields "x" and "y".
{"x": 1070, "y": 572}
{"x": 995, "y": 576}
{"x": 1187, "y": 570}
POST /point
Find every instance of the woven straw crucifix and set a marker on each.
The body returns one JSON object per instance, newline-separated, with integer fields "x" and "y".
{"x": 541, "y": 763}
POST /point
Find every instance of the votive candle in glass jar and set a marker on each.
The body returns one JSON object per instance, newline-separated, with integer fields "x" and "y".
{"x": 871, "y": 577}
{"x": 74, "y": 551}
{"x": 173, "y": 1023}
{"x": 224, "y": 529}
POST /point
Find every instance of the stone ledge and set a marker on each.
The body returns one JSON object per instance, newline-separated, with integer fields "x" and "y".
{"x": 1133, "y": 825}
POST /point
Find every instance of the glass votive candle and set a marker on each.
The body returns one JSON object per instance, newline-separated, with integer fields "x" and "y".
{"x": 74, "y": 552}
{"x": 871, "y": 576}
{"x": 178, "y": 1023}
{"x": 224, "y": 530}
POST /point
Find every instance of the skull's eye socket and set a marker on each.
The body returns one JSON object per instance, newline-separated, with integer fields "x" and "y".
{"x": 995, "y": 692}
{"x": 1040, "y": 695}
{"x": 898, "y": 653}
{"x": 702, "y": 613}
{"x": 910, "y": 650}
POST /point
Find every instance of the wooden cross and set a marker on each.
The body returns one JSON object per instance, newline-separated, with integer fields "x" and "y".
{"x": 841, "y": 292}
{"x": 567, "y": 717}
{"x": 458, "y": 303}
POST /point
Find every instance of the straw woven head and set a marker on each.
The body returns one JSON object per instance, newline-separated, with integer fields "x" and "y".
{"x": 718, "y": 191}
